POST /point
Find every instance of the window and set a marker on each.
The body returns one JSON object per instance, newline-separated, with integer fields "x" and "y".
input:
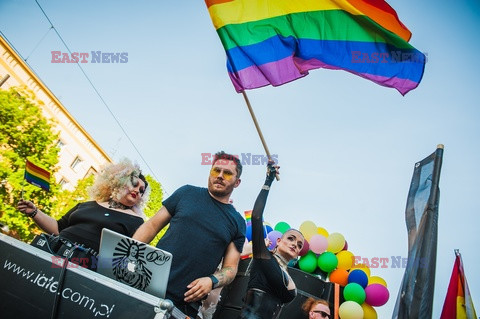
{"x": 63, "y": 183}
{"x": 91, "y": 171}
{"x": 60, "y": 144}
{"x": 76, "y": 164}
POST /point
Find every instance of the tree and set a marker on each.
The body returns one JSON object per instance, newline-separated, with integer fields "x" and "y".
{"x": 24, "y": 133}
{"x": 154, "y": 204}
{"x": 65, "y": 200}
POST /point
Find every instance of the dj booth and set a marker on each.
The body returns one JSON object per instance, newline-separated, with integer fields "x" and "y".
{"x": 34, "y": 284}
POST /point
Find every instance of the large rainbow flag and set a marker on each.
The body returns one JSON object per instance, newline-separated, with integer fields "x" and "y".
{"x": 458, "y": 302}
{"x": 37, "y": 176}
{"x": 278, "y": 41}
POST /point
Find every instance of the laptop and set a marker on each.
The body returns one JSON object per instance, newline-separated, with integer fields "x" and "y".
{"x": 134, "y": 263}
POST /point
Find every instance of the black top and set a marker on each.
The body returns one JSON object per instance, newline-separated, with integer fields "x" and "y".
{"x": 83, "y": 224}
{"x": 266, "y": 273}
{"x": 200, "y": 231}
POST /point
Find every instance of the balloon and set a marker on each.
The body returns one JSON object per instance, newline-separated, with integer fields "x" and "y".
{"x": 305, "y": 248}
{"x": 359, "y": 277}
{"x": 318, "y": 244}
{"x": 350, "y": 310}
{"x": 346, "y": 245}
{"x": 248, "y": 233}
{"x": 308, "y": 229}
{"x": 268, "y": 229}
{"x": 377, "y": 295}
{"x": 339, "y": 276}
{"x": 345, "y": 259}
{"x": 282, "y": 227}
{"x": 363, "y": 268}
{"x": 273, "y": 236}
{"x": 327, "y": 261}
{"x": 336, "y": 241}
{"x": 368, "y": 311}
{"x": 322, "y": 231}
{"x": 377, "y": 280}
{"x": 308, "y": 262}
{"x": 354, "y": 292}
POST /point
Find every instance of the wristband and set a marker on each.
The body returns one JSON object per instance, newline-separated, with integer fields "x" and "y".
{"x": 32, "y": 214}
{"x": 214, "y": 281}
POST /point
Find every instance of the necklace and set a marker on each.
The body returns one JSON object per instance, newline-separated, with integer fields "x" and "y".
{"x": 114, "y": 204}
{"x": 282, "y": 261}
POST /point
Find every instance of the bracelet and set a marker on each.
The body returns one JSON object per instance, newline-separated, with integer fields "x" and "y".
{"x": 214, "y": 281}
{"x": 266, "y": 187}
{"x": 32, "y": 214}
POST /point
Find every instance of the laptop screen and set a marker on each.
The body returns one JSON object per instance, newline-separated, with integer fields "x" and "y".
{"x": 134, "y": 263}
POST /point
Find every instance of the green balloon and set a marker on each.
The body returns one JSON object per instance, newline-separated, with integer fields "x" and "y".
{"x": 282, "y": 227}
{"x": 308, "y": 263}
{"x": 354, "y": 292}
{"x": 327, "y": 261}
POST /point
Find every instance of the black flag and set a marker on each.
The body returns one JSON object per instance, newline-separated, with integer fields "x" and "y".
{"x": 415, "y": 298}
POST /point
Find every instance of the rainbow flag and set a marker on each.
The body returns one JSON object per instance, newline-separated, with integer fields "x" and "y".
{"x": 272, "y": 42}
{"x": 37, "y": 176}
{"x": 248, "y": 217}
{"x": 458, "y": 302}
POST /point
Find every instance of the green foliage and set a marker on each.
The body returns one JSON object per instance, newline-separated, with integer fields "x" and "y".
{"x": 24, "y": 133}
{"x": 154, "y": 204}
{"x": 66, "y": 199}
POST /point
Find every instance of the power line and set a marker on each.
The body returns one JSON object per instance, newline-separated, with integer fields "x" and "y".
{"x": 100, "y": 96}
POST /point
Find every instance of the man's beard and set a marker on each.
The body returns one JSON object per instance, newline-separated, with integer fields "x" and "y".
{"x": 220, "y": 193}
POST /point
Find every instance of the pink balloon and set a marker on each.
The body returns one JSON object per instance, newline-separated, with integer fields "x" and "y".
{"x": 305, "y": 248}
{"x": 377, "y": 295}
{"x": 273, "y": 236}
{"x": 318, "y": 244}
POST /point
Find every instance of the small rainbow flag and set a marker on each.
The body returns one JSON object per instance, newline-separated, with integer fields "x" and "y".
{"x": 37, "y": 176}
{"x": 248, "y": 217}
{"x": 273, "y": 42}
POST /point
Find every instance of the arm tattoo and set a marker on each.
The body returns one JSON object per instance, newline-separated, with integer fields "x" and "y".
{"x": 225, "y": 275}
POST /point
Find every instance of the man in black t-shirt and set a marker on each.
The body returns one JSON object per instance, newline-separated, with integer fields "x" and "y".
{"x": 204, "y": 229}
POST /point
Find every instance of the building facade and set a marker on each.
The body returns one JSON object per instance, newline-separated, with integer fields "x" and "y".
{"x": 79, "y": 154}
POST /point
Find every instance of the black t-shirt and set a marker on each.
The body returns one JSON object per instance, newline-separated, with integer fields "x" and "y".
{"x": 200, "y": 230}
{"x": 83, "y": 224}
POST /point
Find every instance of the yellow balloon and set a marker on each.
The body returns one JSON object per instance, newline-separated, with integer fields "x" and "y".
{"x": 308, "y": 229}
{"x": 336, "y": 242}
{"x": 322, "y": 231}
{"x": 362, "y": 267}
{"x": 369, "y": 312}
{"x": 345, "y": 259}
{"x": 350, "y": 310}
{"x": 377, "y": 280}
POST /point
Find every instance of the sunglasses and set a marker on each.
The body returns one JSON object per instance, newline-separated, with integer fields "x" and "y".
{"x": 215, "y": 172}
{"x": 322, "y": 313}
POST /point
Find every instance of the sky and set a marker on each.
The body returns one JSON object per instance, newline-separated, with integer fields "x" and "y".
{"x": 346, "y": 146}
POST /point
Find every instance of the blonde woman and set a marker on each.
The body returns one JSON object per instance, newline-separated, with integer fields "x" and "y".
{"x": 118, "y": 194}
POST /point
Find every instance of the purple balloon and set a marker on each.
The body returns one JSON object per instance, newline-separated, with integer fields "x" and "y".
{"x": 273, "y": 236}
{"x": 377, "y": 295}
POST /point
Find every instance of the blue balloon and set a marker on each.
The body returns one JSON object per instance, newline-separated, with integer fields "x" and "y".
{"x": 266, "y": 230}
{"x": 358, "y": 276}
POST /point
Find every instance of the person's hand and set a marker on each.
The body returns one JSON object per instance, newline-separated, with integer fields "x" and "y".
{"x": 272, "y": 171}
{"x": 198, "y": 289}
{"x": 25, "y": 206}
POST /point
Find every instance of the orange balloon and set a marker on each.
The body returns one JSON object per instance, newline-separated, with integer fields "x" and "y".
{"x": 339, "y": 276}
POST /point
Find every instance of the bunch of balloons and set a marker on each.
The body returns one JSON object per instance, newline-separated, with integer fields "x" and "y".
{"x": 329, "y": 253}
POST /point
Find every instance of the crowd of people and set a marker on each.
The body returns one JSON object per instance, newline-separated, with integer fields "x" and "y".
{"x": 120, "y": 191}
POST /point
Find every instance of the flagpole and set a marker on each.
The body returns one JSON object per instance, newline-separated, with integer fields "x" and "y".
{"x": 259, "y": 131}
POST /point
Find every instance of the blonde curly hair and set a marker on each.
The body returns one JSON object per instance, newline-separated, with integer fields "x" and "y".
{"x": 115, "y": 180}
